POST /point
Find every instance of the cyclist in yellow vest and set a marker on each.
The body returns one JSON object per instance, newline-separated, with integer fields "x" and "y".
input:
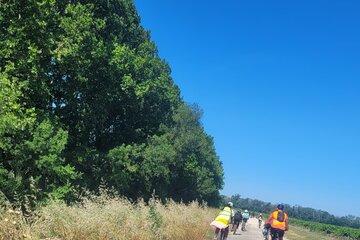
{"x": 279, "y": 221}
{"x": 223, "y": 220}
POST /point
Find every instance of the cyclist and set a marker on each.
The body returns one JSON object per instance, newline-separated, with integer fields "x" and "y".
{"x": 223, "y": 220}
{"x": 279, "y": 222}
{"x": 245, "y": 217}
{"x": 237, "y": 220}
{"x": 260, "y": 218}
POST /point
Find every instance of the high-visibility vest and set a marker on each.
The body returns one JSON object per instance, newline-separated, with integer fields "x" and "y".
{"x": 224, "y": 216}
{"x": 277, "y": 224}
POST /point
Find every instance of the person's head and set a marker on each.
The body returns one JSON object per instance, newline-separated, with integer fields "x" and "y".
{"x": 280, "y": 207}
{"x": 230, "y": 204}
{"x": 260, "y": 214}
{"x": 246, "y": 211}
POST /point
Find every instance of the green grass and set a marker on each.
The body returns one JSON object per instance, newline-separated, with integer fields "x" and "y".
{"x": 326, "y": 229}
{"x": 301, "y": 233}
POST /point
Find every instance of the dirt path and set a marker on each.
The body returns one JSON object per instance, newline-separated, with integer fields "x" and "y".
{"x": 253, "y": 232}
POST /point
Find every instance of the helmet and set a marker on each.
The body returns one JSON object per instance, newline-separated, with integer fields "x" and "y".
{"x": 230, "y": 204}
{"x": 280, "y": 207}
{"x": 246, "y": 211}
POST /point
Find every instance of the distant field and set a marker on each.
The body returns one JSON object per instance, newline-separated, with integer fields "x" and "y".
{"x": 326, "y": 231}
{"x": 300, "y": 233}
{"x": 300, "y": 229}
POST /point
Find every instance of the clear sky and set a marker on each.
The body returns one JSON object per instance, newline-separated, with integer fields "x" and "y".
{"x": 279, "y": 82}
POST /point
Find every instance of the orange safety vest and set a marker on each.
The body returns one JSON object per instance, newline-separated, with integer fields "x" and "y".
{"x": 275, "y": 223}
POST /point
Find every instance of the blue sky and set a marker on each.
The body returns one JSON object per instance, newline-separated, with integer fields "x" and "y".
{"x": 279, "y": 82}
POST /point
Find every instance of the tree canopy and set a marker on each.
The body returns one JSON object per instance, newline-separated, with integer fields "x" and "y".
{"x": 86, "y": 100}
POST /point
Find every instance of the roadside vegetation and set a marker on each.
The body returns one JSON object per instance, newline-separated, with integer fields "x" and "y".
{"x": 332, "y": 230}
{"x": 85, "y": 100}
{"x": 101, "y": 218}
{"x": 301, "y": 233}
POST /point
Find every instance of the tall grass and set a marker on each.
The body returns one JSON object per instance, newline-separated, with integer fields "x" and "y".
{"x": 110, "y": 218}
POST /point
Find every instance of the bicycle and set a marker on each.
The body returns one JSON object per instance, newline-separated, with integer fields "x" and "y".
{"x": 243, "y": 225}
{"x": 266, "y": 234}
{"x": 275, "y": 235}
{"x": 266, "y": 231}
{"x": 221, "y": 234}
{"x": 235, "y": 226}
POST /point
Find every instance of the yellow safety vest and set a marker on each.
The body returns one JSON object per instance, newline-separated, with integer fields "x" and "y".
{"x": 224, "y": 216}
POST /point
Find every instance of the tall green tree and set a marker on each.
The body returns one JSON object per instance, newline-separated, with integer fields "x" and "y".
{"x": 32, "y": 165}
{"x": 94, "y": 81}
{"x": 181, "y": 163}
{"x": 197, "y": 172}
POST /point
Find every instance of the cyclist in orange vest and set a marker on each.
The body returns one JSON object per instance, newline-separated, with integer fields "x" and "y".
{"x": 279, "y": 222}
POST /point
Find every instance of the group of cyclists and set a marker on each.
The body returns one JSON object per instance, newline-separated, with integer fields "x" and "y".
{"x": 275, "y": 226}
{"x": 240, "y": 217}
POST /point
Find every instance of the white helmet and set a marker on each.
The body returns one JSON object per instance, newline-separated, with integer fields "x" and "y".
{"x": 230, "y": 204}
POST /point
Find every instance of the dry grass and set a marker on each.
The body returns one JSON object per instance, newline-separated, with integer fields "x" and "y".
{"x": 109, "y": 218}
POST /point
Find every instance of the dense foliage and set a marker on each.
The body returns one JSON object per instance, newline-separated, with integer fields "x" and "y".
{"x": 303, "y": 213}
{"x": 85, "y": 101}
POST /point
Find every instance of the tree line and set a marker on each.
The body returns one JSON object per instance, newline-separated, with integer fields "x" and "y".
{"x": 86, "y": 101}
{"x": 303, "y": 213}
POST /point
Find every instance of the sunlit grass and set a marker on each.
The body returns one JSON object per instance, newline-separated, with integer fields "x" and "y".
{"x": 299, "y": 233}
{"x": 110, "y": 218}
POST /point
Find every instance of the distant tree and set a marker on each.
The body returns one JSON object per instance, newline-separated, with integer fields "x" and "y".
{"x": 299, "y": 212}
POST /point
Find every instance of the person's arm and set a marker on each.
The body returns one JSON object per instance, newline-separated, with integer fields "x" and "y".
{"x": 270, "y": 219}
{"x": 286, "y": 223}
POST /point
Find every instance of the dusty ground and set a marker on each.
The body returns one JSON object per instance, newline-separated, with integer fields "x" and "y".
{"x": 253, "y": 232}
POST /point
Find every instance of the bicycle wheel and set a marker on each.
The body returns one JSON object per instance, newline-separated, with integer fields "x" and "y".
{"x": 275, "y": 236}
{"x": 223, "y": 235}
{"x": 220, "y": 235}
